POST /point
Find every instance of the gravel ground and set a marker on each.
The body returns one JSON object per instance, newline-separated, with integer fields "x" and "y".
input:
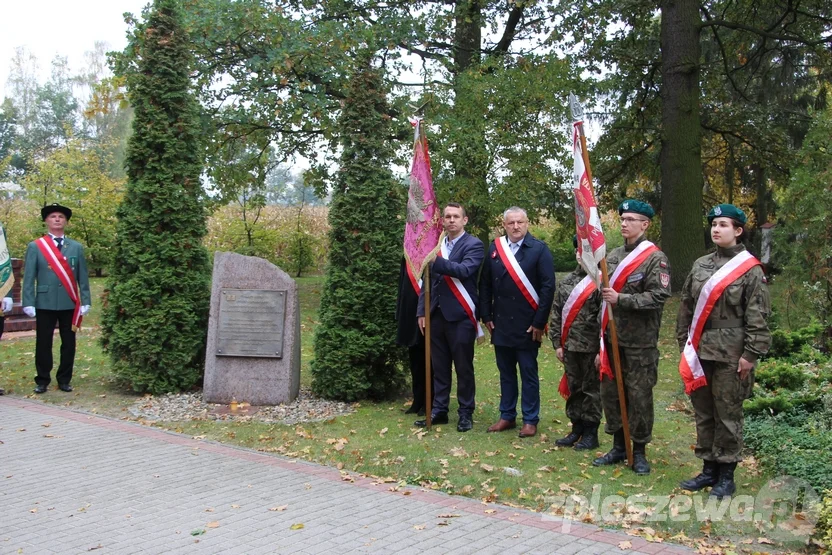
{"x": 190, "y": 406}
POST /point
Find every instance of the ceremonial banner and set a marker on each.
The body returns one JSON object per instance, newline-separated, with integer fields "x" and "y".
{"x": 424, "y": 227}
{"x": 591, "y": 246}
{"x": 6, "y": 273}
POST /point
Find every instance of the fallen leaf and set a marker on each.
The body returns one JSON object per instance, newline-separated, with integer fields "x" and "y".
{"x": 382, "y": 432}
{"x": 296, "y": 526}
{"x": 448, "y": 515}
{"x": 235, "y": 506}
{"x": 625, "y": 545}
{"x": 197, "y": 532}
{"x": 419, "y": 526}
{"x": 214, "y": 524}
{"x": 279, "y": 508}
{"x": 486, "y": 467}
{"x": 765, "y": 541}
{"x": 490, "y": 511}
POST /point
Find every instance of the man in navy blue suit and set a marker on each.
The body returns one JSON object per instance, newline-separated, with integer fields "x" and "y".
{"x": 517, "y": 287}
{"x": 453, "y": 316}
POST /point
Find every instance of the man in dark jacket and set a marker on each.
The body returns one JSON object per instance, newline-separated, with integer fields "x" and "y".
{"x": 516, "y": 291}
{"x": 453, "y": 312}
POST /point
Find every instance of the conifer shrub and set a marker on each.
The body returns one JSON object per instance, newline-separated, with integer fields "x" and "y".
{"x": 355, "y": 352}
{"x": 155, "y": 317}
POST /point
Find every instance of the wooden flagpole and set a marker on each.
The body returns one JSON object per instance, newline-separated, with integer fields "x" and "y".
{"x": 622, "y": 402}
{"x": 426, "y": 286}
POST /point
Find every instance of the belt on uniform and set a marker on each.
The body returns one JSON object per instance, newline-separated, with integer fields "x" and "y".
{"x": 723, "y": 324}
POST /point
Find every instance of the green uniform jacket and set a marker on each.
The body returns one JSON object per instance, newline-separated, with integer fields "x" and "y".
{"x": 638, "y": 313}
{"x": 746, "y": 301}
{"x": 585, "y": 335}
{"x": 49, "y": 294}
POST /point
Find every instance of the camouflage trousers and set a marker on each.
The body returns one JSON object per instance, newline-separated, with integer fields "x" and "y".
{"x": 639, "y": 368}
{"x": 717, "y": 410}
{"x": 584, "y": 401}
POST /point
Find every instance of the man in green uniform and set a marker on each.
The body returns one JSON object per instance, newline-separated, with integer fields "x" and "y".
{"x": 45, "y": 295}
{"x": 637, "y": 295}
{"x": 577, "y": 352}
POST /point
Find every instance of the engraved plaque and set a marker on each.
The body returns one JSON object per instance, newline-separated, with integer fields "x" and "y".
{"x": 251, "y": 323}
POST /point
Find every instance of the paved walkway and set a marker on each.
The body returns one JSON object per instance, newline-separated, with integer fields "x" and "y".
{"x": 72, "y": 482}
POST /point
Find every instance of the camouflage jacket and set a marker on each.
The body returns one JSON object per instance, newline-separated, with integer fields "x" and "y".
{"x": 584, "y": 336}
{"x": 746, "y": 301}
{"x": 638, "y": 312}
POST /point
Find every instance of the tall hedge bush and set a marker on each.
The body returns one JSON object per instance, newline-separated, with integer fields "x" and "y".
{"x": 355, "y": 353}
{"x": 154, "y": 323}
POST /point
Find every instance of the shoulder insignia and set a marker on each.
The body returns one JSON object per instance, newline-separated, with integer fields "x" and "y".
{"x": 765, "y": 280}
{"x": 493, "y": 254}
{"x": 663, "y": 264}
{"x": 665, "y": 278}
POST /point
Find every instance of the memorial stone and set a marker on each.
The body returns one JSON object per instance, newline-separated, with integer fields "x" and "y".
{"x": 253, "y": 349}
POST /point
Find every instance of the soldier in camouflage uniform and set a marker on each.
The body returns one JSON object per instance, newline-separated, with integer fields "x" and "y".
{"x": 734, "y": 337}
{"x": 637, "y": 310}
{"x": 583, "y": 407}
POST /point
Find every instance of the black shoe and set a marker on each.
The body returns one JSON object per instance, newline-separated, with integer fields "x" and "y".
{"x": 421, "y": 412}
{"x": 589, "y": 439}
{"x": 414, "y": 409}
{"x": 640, "y": 464}
{"x": 66, "y": 387}
{"x": 708, "y": 477}
{"x": 725, "y": 487}
{"x": 465, "y": 424}
{"x": 40, "y": 389}
{"x": 438, "y": 418}
{"x": 573, "y": 436}
{"x": 617, "y": 454}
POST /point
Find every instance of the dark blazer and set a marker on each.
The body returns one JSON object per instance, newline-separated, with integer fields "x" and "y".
{"x": 502, "y": 302}
{"x": 49, "y": 294}
{"x": 463, "y": 264}
{"x": 407, "y": 331}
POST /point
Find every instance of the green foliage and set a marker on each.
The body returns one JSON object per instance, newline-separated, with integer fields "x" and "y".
{"x": 806, "y": 234}
{"x": 786, "y": 343}
{"x": 781, "y": 375}
{"x": 156, "y": 313}
{"x": 823, "y": 527}
{"x": 793, "y": 444}
{"x": 355, "y": 353}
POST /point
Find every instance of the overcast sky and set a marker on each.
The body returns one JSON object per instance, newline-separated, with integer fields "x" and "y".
{"x": 63, "y": 27}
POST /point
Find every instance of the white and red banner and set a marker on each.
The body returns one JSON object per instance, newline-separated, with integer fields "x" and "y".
{"x": 690, "y": 367}
{"x": 423, "y": 225}
{"x": 591, "y": 246}
{"x": 617, "y": 281}
{"x": 571, "y": 308}
{"x": 518, "y": 276}
{"x": 58, "y": 263}
{"x": 461, "y": 294}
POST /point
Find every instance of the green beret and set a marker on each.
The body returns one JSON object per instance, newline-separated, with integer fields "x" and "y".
{"x": 636, "y": 206}
{"x": 727, "y": 211}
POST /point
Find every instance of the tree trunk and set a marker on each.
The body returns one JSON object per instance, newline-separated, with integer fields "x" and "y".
{"x": 470, "y": 160}
{"x": 681, "y": 158}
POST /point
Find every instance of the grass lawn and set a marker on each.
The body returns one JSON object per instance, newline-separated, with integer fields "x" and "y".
{"x": 379, "y": 440}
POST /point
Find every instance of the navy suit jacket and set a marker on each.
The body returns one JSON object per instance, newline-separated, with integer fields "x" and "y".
{"x": 463, "y": 264}
{"x": 502, "y": 302}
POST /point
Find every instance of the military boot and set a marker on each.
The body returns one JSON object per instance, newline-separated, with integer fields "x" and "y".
{"x": 640, "y": 464}
{"x": 573, "y": 436}
{"x": 618, "y": 452}
{"x": 589, "y": 439}
{"x": 708, "y": 477}
{"x": 725, "y": 487}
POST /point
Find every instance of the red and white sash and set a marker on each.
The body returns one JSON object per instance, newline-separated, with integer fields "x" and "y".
{"x": 571, "y": 309}
{"x": 58, "y": 264}
{"x": 617, "y": 281}
{"x": 516, "y": 272}
{"x": 689, "y": 366}
{"x": 461, "y": 293}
